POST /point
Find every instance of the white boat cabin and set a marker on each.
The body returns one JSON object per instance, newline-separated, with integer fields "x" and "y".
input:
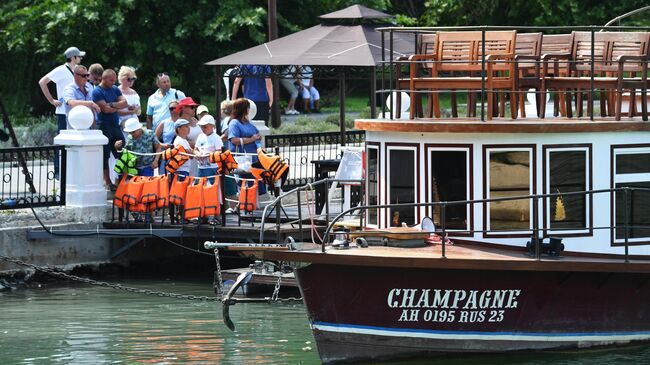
{"x": 418, "y": 161}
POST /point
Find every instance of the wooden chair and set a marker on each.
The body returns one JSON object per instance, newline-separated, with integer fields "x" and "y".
{"x": 528, "y": 56}
{"x": 615, "y": 55}
{"x": 461, "y": 52}
{"x": 426, "y": 49}
{"x": 554, "y": 44}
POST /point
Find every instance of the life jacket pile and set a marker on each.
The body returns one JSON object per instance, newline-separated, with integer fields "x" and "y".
{"x": 224, "y": 160}
{"x": 276, "y": 166}
{"x": 175, "y": 158}
{"x": 142, "y": 193}
{"x": 197, "y": 197}
{"x": 126, "y": 163}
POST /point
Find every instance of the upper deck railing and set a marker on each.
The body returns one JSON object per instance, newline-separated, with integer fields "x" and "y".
{"x": 491, "y": 66}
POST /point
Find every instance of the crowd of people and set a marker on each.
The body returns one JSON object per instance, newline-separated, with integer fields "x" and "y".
{"x": 172, "y": 118}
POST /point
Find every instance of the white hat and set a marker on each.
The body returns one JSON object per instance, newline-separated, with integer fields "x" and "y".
{"x": 207, "y": 119}
{"x": 72, "y": 52}
{"x": 180, "y": 122}
{"x": 201, "y": 109}
{"x": 132, "y": 125}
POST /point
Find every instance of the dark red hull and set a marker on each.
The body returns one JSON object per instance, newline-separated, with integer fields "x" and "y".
{"x": 365, "y": 313}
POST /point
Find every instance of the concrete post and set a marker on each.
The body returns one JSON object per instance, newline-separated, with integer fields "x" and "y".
{"x": 84, "y": 171}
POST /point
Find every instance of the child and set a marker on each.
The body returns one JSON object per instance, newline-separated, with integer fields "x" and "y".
{"x": 207, "y": 142}
{"x": 182, "y": 127}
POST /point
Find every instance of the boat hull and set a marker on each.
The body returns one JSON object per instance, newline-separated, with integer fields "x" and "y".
{"x": 369, "y": 313}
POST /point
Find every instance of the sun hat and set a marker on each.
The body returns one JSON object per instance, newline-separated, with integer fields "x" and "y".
{"x": 180, "y": 123}
{"x": 72, "y": 52}
{"x": 132, "y": 125}
{"x": 207, "y": 119}
{"x": 185, "y": 102}
{"x": 202, "y": 109}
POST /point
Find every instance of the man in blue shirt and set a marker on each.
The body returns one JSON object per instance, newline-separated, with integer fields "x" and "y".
{"x": 257, "y": 87}
{"x": 79, "y": 92}
{"x": 109, "y": 99}
{"x": 157, "y": 103}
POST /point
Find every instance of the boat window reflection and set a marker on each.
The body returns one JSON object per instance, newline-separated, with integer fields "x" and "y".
{"x": 448, "y": 181}
{"x": 401, "y": 167}
{"x": 373, "y": 187}
{"x": 632, "y": 169}
{"x": 567, "y": 172}
{"x": 509, "y": 175}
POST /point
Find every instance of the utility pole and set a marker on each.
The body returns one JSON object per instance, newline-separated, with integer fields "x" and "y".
{"x": 273, "y": 34}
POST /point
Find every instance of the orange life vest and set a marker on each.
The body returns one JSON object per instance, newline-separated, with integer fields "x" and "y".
{"x": 277, "y": 167}
{"x": 163, "y": 192}
{"x": 261, "y": 174}
{"x": 119, "y": 193}
{"x": 194, "y": 199}
{"x": 178, "y": 191}
{"x": 211, "y": 205}
{"x": 134, "y": 193}
{"x": 150, "y": 192}
{"x": 247, "y": 197}
{"x": 174, "y": 158}
{"x": 224, "y": 159}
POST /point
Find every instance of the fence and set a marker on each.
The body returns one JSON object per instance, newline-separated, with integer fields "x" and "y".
{"x": 299, "y": 150}
{"x": 39, "y": 186}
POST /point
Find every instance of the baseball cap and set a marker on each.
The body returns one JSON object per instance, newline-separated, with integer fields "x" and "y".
{"x": 207, "y": 119}
{"x": 73, "y": 51}
{"x": 180, "y": 123}
{"x": 131, "y": 125}
{"x": 185, "y": 102}
{"x": 201, "y": 109}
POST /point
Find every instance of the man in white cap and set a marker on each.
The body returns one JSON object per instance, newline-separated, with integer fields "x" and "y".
{"x": 62, "y": 76}
{"x": 206, "y": 143}
{"x": 142, "y": 141}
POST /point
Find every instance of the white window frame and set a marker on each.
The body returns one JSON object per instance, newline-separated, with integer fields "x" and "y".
{"x": 547, "y": 188}
{"x": 627, "y": 178}
{"x": 531, "y": 182}
{"x": 414, "y": 149}
{"x": 468, "y": 182}
{"x": 377, "y": 148}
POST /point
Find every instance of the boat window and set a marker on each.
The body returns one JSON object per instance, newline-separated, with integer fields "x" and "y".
{"x": 373, "y": 187}
{"x": 402, "y": 189}
{"x": 447, "y": 180}
{"x": 632, "y": 169}
{"x": 567, "y": 170}
{"x": 509, "y": 175}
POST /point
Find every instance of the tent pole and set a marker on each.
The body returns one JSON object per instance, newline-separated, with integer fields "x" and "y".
{"x": 273, "y": 34}
{"x": 373, "y": 92}
{"x": 342, "y": 103}
{"x": 217, "y": 94}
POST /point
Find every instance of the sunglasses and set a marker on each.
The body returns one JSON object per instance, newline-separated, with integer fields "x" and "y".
{"x": 131, "y": 79}
{"x": 163, "y": 74}
{"x": 172, "y": 108}
{"x": 83, "y": 75}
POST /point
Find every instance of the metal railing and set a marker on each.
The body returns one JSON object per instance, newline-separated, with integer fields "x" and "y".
{"x": 300, "y": 149}
{"x": 276, "y": 205}
{"x": 535, "y": 226}
{"x": 389, "y": 64}
{"x": 30, "y": 178}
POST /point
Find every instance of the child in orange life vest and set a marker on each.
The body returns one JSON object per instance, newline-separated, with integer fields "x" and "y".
{"x": 182, "y": 127}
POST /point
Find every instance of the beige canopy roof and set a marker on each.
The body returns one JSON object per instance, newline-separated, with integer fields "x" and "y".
{"x": 327, "y": 44}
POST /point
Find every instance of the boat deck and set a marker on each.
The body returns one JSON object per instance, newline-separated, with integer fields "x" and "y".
{"x": 527, "y": 125}
{"x": 461, "y": 256}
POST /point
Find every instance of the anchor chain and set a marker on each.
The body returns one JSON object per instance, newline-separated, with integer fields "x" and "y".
{"x": 219, "y": 277}
{"x": 276, "y": 290}
{"x": 61, "y": 274}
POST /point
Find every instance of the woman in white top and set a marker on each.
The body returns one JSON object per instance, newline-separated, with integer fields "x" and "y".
{"x": 127, "y": 78}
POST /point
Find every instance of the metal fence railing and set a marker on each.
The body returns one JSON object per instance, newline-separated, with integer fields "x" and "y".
{"x": 299, "y": 150}
{"x": 29, "y": 177}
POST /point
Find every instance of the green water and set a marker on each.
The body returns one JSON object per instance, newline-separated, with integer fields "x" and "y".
{"x": 82, "y": 324}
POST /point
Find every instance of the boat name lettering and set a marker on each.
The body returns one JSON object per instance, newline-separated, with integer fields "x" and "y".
{"x": 453, "y": 298}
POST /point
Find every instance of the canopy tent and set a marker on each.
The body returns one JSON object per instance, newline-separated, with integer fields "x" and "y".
{"x": 337, "y": 42}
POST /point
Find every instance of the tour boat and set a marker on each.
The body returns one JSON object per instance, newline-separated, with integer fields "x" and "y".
{"x": 543, "y": 233}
